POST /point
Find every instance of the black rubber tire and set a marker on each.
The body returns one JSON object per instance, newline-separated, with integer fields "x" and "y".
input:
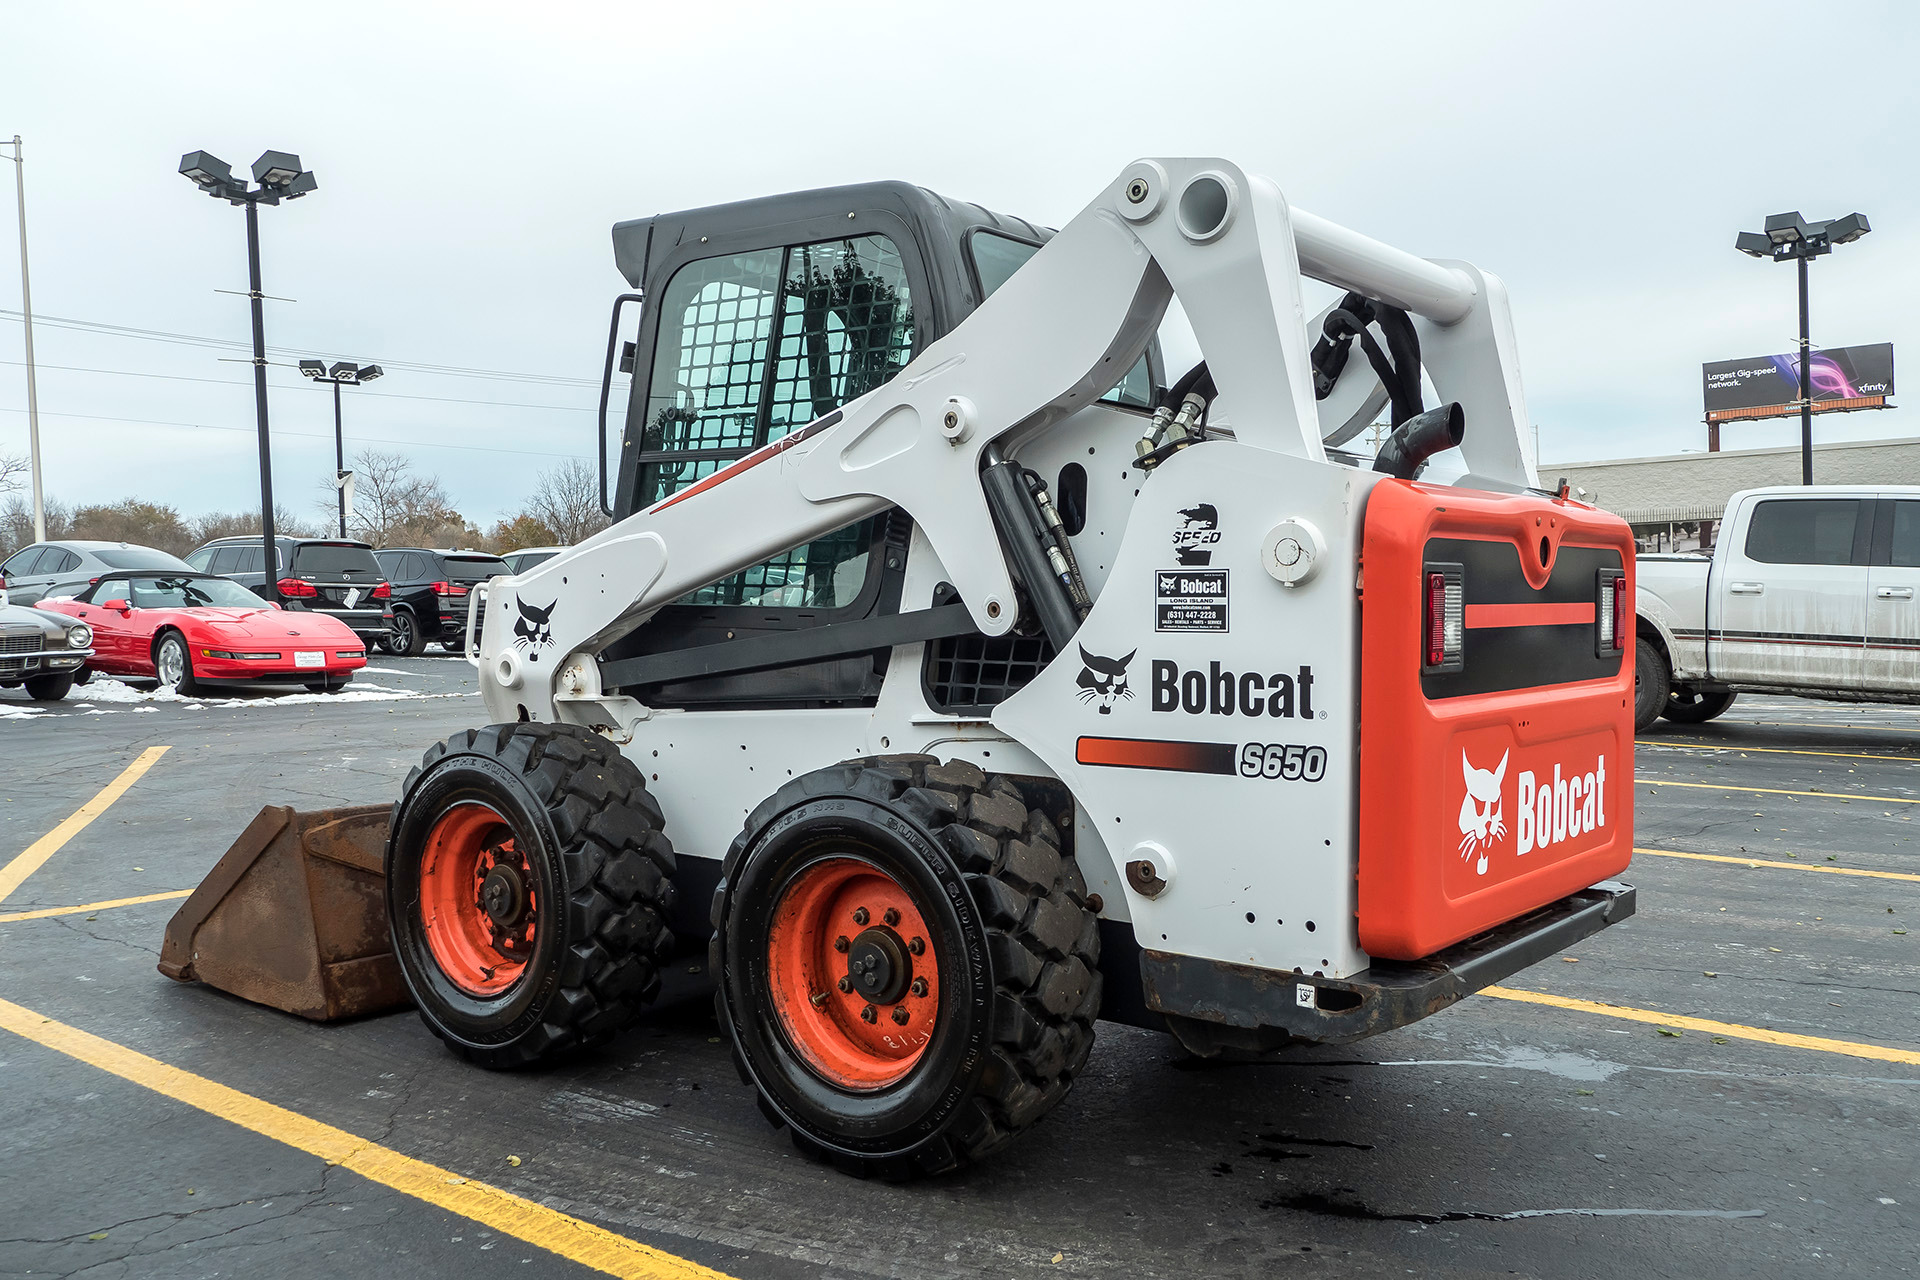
{"x": 1652, "y": 684}
{"x": 592, "y": 836}
{"x": 988, "y": 875}
{"x": 407, "y": 641}
{"x": 83, "y": 675}
{"x": 1687, "y": 707}
{"x": 188, "y": 686}
{"x": 51, "y": 687}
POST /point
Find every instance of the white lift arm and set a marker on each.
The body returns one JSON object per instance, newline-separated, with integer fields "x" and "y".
{"x": 1051, "y": 340}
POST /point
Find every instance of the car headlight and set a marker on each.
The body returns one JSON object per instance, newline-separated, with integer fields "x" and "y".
{"x": 79, "y": 636}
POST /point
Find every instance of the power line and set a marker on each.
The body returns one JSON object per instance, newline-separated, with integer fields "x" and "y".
{"x": 300, "y": 386}
{"x": 310, "y": 435}
{"x": 233, "y": 344}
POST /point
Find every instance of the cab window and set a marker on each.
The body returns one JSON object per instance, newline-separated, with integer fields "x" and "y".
{"x": 752, "y": 346}
{"x": 997, "y": 257}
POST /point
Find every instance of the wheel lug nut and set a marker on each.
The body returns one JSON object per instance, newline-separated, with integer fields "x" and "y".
{"x": 869, "y": 1014}
{"x": 891, "y": 918}
{"x": 900, "y": 1014}
{"x": 860, "y": 915}
{"x": 919, "y": 987}
{"x": 917, "y": 946}
{"x": 840, "y": 944}
{"x": 845, "y": 984}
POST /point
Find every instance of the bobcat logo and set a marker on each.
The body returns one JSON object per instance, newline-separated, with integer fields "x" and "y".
{"x": 1103, "y": 680}
{"x": 532, "y": 628}
{"x": 1480, "y": 816}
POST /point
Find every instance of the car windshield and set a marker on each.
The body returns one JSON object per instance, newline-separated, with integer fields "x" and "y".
{"x": 139, "y": 558}
{"x": 334, "y": 557}
{"x": 475, "y": 568}
{"x": 191, "y": 591}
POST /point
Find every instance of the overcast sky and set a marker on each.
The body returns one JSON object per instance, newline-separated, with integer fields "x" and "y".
{"x": 472, "y": 158}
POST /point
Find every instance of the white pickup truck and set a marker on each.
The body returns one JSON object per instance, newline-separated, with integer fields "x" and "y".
{"x": 1809, "y": 591}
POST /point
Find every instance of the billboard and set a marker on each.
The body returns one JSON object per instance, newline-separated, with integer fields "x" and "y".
{"x": 1769, "y": 386}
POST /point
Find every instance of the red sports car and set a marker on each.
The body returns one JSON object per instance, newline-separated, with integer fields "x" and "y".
{"x": 191, "y": 629}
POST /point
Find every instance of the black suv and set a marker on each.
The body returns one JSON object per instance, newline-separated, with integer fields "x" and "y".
{"x": 318, "y": 575}
{"x": 430, "y": 594}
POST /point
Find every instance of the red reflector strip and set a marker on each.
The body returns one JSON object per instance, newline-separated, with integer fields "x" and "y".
{"x": 1529, "y": 615}
{"x": 1620, "y": 613}
{"x": 1147, "y": 753}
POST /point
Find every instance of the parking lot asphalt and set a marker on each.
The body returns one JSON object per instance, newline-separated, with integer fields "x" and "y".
{"x": 1726, "y": 1084}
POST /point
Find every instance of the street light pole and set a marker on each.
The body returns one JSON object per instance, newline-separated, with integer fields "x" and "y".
{"x": 342, "y": 374}
{"x": 1806, "y": 385}
{"x": 271, "y": 562}
{"x": 26, "y": 313}
{"x": 278, "y": 176}
{"x": 339, "y": 459}
{"x": 1790, "y": 238}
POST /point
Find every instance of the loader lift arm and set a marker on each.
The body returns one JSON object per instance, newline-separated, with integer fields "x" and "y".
{"x": 1046, "y": 344}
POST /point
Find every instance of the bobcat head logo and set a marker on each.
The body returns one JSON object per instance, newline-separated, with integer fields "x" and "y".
{"x": 531, "y": 628}
{"x": 1480, "y": 816}
{"x": 1103, "y": 680}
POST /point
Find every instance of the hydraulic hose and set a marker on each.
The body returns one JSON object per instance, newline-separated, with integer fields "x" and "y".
{"x": 1419, "y": 438}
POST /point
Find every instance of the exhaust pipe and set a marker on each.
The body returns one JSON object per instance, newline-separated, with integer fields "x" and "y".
{"x": 1419, "y": 438}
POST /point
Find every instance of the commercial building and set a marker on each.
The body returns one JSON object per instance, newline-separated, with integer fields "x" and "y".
{"x": 1674, "y": 503}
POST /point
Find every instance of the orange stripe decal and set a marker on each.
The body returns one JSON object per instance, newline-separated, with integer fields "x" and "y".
{"x": 1529, "y": 615}
{"x": 752, "y": 460}
{"x": 1148, "y": 753}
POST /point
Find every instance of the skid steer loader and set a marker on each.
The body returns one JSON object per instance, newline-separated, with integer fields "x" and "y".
{"x": 948, "y": 683}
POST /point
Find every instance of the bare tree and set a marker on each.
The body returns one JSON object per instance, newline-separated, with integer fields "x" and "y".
{"x": 16, "y": 523}
{"x": 146, "y": 524}
{"x": 13, "y": 469}
{"x": 567, "y": 501}
{"x": 394, "y": 506}
{"x": 234, "y": 524}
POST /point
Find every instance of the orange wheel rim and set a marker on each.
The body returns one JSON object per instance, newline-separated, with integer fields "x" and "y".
{"x": 853, "y": 973}
{"x": 478, "y": 907}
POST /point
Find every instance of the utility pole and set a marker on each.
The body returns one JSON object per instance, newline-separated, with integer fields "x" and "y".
{"x": 260, "y": 400}
{"x": 26, "y": 313}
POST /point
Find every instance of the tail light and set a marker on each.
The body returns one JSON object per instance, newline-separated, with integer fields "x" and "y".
{"x": 296, "y": 588}
{"x": 449, "y": 589}
{"x": 382, "y": 592}
{"x": 1611, "y": 615}
{"x": 1444, "y": 621}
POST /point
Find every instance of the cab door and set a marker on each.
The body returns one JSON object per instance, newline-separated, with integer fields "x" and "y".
{"x": 1893, "y": 597}
{"x": 1792, "y": 595}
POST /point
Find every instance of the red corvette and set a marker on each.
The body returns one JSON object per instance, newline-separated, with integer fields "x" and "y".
{"x": 191, "y": 629}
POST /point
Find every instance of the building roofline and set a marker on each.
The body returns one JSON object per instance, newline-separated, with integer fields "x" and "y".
{"x": 1733, "y": 453}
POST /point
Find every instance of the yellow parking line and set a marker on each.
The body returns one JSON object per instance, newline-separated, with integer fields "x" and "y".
{"x": 1772, "y": 751}
{"x": 1776, "y": 791}
{"x": 93, "y": 906}
{"x": 1762, "y": 862}
{"x": 46, "y": 846}
{"x": 1732, "y": 1030}
{"x": 489, "y": 1206}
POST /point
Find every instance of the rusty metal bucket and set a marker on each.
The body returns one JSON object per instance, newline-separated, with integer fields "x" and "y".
{"x": 295, "y": 916}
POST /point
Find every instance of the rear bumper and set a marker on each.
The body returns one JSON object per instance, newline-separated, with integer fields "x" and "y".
{"x": 1388, "y": 994}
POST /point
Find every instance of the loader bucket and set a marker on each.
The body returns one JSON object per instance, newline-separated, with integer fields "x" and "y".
{"x": 295, "y": 916}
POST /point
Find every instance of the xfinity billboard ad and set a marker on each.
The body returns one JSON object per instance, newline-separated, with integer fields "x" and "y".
{"x": 1773, "y": 382}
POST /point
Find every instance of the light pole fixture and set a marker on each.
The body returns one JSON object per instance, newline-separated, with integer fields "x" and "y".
{"x": 26, "y": 314}
{"x": 277, "y": 176}
{"x": 342, "y": 374}
{"x": 1787, "y": 237}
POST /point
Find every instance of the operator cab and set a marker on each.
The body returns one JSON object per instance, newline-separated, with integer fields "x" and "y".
{"x": 760, "y": 317}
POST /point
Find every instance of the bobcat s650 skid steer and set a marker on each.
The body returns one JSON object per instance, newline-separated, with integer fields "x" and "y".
{"x": 949, "y": 684}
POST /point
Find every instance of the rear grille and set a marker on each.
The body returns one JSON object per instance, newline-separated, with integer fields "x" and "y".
{"x": 976, "y": 673}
